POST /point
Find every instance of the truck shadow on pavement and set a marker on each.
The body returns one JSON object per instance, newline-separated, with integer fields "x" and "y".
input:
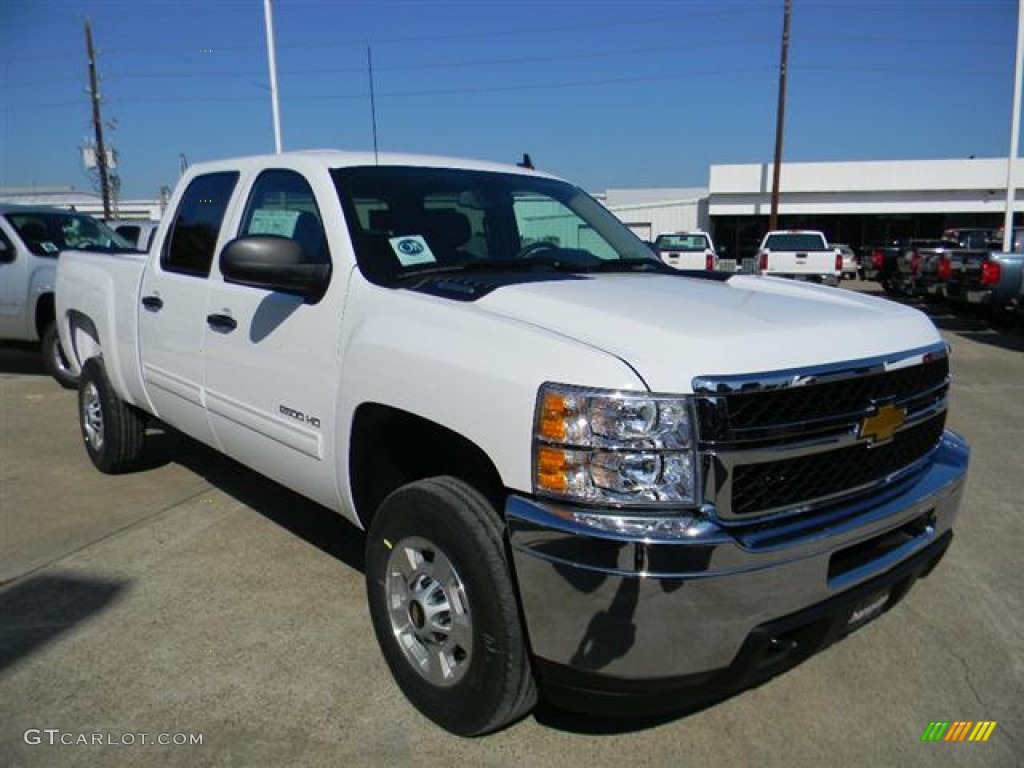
{"x": 37, "y": 610}
{"x": 325, "y": 529}
{"x": 17, "y": 358}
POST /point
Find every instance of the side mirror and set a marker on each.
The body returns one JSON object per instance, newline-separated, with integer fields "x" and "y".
{"x": 7, "y": 253}
{"x": 276, "y": 264}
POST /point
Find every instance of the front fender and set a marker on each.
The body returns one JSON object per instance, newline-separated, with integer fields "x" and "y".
{"x": 461, "y": 367}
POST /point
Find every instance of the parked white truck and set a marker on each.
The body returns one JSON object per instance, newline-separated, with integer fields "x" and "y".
{"x": 31, "y": 240}
{"x": 800, "y": 254}
{"x": 581, "y": 472}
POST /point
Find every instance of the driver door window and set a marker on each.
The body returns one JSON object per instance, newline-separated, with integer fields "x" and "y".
{"x": 282, "y": 204}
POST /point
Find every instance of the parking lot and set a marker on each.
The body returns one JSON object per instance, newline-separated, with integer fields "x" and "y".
{"x": 196, "y": 598}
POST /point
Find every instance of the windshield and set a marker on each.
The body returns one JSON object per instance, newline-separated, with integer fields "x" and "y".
{"x": 682, "y": 242}
{"x": 796, "y": 241}
{"x": 47, "y": 233}
{"x": 405, "y": 221}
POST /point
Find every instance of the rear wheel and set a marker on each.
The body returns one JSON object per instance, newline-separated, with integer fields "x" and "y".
{"x": 113, "y": 431}
{"x": 444, "y": 608}
{"x": 54, "y": 359}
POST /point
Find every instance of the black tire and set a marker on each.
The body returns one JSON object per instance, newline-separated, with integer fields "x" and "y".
{"x": 448, "y": 523}
{"x": 54, "y": 359}
{"x": 113, "y": 431}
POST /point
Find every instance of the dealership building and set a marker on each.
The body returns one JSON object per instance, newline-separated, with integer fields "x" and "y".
{"x": 851, "y": 202}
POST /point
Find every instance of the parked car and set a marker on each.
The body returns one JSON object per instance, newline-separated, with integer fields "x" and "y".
{"x": 138, "y": 232}
{"x": 801, "y": 254}
{"x": 884, "y": 263}
{"x": 991, "y": 282}
{"x": 691, "y": 249}
{"x": 31, "y": 239}
{"x": 578, "y": 468}
{"x": 970, "y": 237}
{"x": 850, "y": 264}
{"x": 921, "y": 266}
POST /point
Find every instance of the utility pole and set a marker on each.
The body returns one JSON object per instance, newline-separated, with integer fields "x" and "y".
{"x": 780, "y": 119}
{"x": 97, "y": 124}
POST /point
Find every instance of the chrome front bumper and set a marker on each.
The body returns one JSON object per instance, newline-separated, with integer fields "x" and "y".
{"x": 683, "y": 604}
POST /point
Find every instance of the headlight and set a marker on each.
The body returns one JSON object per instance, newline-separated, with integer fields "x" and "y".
{"x": 618, "y": 448}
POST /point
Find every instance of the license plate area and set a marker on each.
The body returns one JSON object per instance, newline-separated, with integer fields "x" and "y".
{"x": 864, "y": 611}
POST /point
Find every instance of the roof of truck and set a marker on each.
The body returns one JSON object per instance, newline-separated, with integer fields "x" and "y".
{"x": 333, "y": 158}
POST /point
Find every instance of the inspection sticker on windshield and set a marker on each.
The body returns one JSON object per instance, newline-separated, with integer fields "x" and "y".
{"x": 412, "y": 250}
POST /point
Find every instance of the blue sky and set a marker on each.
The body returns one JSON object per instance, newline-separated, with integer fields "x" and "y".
{"x": 608, "y": 94}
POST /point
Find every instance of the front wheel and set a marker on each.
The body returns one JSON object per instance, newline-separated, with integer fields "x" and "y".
{"x": 54, "y": 359}
{"x": 113, "y": 431}
{"x": 444, "y": 608}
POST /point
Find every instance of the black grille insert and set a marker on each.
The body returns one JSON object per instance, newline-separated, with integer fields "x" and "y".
{"x": 770, "y": 485}
{"x": 747, "y": 412}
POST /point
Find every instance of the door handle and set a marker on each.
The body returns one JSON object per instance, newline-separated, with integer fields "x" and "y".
{"x": 221, "y": 323}
{"x": 153, "y": 303}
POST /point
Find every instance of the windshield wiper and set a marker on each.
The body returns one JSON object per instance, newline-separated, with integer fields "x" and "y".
{"x": 494, "y": 265}
{"x": 631, "y": 265}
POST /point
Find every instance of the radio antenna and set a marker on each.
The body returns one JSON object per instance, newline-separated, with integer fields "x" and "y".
{"x": 373, "y": 103}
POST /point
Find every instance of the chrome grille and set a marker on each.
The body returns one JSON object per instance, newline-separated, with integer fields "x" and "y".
{"x": 791, "y": 441}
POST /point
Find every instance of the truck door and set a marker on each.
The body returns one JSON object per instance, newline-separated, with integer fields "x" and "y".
{"x": 272, "y": 360}
{"x": 13, "y": 286}
{"x": 172, "y": 316}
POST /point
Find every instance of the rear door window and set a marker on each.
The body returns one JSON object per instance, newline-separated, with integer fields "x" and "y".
{"x": 193, "y": 233}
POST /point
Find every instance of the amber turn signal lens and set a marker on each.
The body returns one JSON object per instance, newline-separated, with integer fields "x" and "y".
{"x": 552, "y": 469}
{"x": 554, "y": 413}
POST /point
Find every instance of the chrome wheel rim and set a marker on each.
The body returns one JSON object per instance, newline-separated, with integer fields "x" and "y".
{"x": 429, "y": 613}
{"x": 92, "y": 416}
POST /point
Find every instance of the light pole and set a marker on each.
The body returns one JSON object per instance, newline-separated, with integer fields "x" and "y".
{"x": 268, "y": 17}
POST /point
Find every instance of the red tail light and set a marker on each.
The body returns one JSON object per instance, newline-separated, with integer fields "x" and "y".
{"x": 989, "y": 273}
{"x": 877, "y": 259}
{"x": 839, "y": 262}
{"x": 915, "y": 263}
{"x": 944, "y": 269}
{"x": 709, "y": 262}
{"x": 762, "y": 261}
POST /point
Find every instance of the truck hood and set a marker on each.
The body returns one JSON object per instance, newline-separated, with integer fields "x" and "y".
{"x": 672, "y": 329}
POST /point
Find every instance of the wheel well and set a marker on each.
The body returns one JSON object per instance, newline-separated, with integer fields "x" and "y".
{"x": 390, "y": 447}
{"x": 85, "y": 341}
{"x": 45, "y": 313}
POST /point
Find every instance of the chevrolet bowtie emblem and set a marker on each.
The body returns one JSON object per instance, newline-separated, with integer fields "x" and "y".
{"x": 881, "y": 426}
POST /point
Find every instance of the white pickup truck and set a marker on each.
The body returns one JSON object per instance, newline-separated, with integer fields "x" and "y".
{"x": 31, "y": 240}
{"x": 801, "y": 254}
{"x": 581, "y": 472}
{"x": 692, "y": 249}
